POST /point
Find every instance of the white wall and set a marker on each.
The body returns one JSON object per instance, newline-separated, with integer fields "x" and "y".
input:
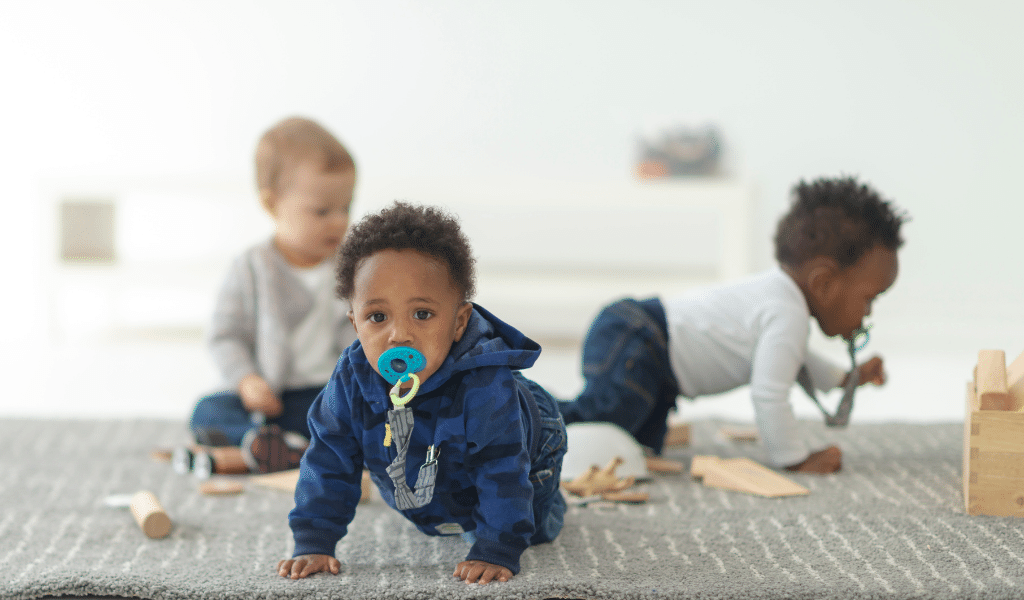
{"x": 922, "y": 99}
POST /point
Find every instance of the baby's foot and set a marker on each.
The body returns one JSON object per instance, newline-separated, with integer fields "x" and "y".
{"x": 823, "y": 462}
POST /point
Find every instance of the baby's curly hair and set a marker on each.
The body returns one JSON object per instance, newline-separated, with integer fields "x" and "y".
{"x": 838, "y": 218}
{"x": 426, "y": 229}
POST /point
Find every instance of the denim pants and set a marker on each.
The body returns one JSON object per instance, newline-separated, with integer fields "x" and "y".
{"x": 224, "y": 411}
{"x": 546, "y": 472}
{"x": 627, "y": 373}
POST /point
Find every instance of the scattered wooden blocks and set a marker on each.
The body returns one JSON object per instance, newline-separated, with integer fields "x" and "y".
{"x": 604, "y": 484}
{"x": 743, "y": 475}
{"x": 993, "y": 467}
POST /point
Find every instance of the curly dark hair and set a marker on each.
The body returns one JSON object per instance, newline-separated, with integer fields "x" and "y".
{"x": 426, "y": 229}
{"x": 839, "y": 218}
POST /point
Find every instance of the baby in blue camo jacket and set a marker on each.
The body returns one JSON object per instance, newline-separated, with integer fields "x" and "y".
{"x": 431, "y": 402}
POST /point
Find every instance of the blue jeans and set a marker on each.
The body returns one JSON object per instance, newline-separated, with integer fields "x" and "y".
{"x": 627, "y": 373}
{"x": 546, "y": 472}
{"x": 224, "y": 411}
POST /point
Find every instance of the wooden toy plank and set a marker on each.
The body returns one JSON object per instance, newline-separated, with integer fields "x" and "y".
{"x": 745, "y": 475}
{"x": 700, "y": 464}
{"x": 739, "y": 434}
{"x": 282, "y": 480}
{"x": 666, "y": 466}
{"x": 287, "y": 480}
{"x": 1015, "y": 383}
{"x": 990, "y": 380}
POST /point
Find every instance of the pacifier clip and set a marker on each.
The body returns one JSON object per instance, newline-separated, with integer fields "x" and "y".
{"x": 397, "y": 366}
{"x": 857, "y": 341}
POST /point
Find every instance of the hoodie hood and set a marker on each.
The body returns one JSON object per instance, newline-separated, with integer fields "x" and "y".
{"x": 487, "y": 342}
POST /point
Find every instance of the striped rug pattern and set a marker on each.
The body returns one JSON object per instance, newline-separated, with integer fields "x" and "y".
{"x": 890, "y": 525}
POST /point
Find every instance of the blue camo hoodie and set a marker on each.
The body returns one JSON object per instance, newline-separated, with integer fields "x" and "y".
{"x": 477, "y": 409}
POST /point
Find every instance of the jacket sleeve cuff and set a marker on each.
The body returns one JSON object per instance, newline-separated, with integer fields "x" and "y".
{"x": 502, "y": 555}
{"x": 314, "y": 542}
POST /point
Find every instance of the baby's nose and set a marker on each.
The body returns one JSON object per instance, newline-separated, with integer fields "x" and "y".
{"x": 399, "y": 333}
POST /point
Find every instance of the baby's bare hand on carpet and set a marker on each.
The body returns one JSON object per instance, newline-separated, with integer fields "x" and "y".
{"x": 307, "y": 564}
{"x": 478, "y": 571}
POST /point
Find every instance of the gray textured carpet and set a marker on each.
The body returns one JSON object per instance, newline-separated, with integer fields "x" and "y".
{"x": 891, "y": 524}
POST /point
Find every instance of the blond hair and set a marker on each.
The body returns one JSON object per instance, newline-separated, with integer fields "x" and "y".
{"x": 294, "y": 141}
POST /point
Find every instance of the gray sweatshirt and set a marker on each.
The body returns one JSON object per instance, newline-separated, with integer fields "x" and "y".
{"x": 260, "y": 303}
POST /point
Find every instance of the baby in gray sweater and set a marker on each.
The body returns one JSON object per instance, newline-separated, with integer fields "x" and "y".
{"x": 278, "y": 327}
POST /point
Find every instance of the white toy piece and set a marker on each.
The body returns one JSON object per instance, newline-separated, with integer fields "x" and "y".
{"x": 598, "y": 444}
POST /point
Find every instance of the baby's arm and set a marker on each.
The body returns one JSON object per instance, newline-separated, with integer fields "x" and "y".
{"x": 328, "y": 489}
{"x": 478, "y": 571}
{"x": 258, "y": 397}
{"x": 233, "y": 340}
{"x": 303, "y": 566}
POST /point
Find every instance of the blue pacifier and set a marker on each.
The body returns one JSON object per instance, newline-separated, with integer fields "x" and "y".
{"x": 397, "y": 364}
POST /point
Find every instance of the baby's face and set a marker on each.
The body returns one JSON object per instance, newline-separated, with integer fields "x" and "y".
{"x": 311, "y": 214}
{"x": 406, "y": 298}
{"x": 860, "y": 284}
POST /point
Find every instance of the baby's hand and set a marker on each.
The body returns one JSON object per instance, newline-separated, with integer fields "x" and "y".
{"x": 872, "y": 371}
{"x": 258, "y": 397}
{"x": 478, "y": 571}
{"x": 822, "y": 462}
{"x": 307, "y": 564}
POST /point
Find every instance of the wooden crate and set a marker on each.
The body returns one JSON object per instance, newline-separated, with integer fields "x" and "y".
{"x": 993, "y": 472}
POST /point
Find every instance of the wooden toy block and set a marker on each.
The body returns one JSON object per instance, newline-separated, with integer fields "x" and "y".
{"x": 678, "y": 434}
{"x": 597, "y": 480}
{"x": 739, "y": 434}
{"x": 664, "y": 466}
{"x": 287, "y": 480}
{"x": 744, "y": 475}
{"x": 150, "y": 515}
{"x": 990, "y": 380}
{"x": 993, "y": 462}
{"x": 1015, "y": 383}
{"x": 700, "y": 465}
{"x": 282, "y": 480}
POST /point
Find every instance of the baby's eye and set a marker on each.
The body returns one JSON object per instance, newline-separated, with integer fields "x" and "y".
{"x": 322, "y": 212}
{"x": 422, "y": 314}
{"x": 376, "y": 317}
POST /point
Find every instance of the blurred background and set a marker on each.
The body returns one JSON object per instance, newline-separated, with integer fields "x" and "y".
{"x": 129, "y": 130}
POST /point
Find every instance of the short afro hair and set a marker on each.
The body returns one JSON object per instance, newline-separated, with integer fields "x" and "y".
{"x": 838, "y": 218}
{"x": 401, "y": 226}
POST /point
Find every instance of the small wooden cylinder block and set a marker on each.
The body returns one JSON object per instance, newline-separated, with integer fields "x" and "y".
{"x": 150, "y": 515}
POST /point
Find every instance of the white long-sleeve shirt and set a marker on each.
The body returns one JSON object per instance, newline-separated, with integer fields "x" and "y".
{"x": 750, "y": 331}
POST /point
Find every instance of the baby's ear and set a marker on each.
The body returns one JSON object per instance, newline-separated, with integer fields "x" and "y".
{"x": 268, "y": 199}
{"x": 823, "y": 279}
{"x": 462, "y": 319}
